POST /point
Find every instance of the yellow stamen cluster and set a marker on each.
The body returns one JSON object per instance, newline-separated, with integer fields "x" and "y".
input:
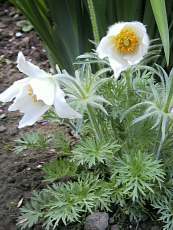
{"x": 30, "y": 93}
{"x": 126, "y": 42}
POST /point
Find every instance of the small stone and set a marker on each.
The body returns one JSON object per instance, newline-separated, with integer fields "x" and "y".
{"x": 52, "y": 150}
{"x": 97, "y": 221}
{"x": 2, "y": 116}
{"x": 111, "y": 220}
{"x": 11, "y": 33}
{"x": 114, "y": 227}
{"x": 2, "y": 128}
{"x": 12, "y": 13}
{"x": 39, "y": 166}
{"x": 18, "y": 34}
{"x": 16, "y": 16}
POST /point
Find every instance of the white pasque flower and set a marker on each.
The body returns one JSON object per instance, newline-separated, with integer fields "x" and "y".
{"x": 125, "y": 44}
{"x": 34, "y": 94}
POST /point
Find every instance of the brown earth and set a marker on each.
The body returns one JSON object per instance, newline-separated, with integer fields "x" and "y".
{"x": 19, "y": 174}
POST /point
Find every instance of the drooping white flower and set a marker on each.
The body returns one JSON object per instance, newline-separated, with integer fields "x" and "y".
{"x": 34, "y": 94}
{"x": 125, "y": 44}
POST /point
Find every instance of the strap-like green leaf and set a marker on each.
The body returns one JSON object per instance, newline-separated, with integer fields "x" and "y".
{"x": 159, "y": 10}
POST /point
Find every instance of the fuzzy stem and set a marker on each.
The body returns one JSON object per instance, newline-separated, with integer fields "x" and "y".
{"x": 129, "y": 86}
{"x": 158, "y": 147}
{"x": 128, "y": 79}
{"x": 159, "y": 136}
{"x": 94, "y": 122}
{"x": 93, "y": 21}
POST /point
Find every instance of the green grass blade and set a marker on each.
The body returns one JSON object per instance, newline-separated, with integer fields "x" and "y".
{"x": 159, "y": 10}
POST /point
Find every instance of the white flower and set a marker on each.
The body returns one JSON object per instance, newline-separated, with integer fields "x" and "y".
{"x": 125, "y": 44}
{"x": 34, "y": 94}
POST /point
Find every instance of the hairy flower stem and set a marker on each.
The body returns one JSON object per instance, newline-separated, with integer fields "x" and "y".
{"x": 94, "y": 123}
{"x": 128, "y": 83}
{"x": 159, "y": 136}
{"x": 159, "y": 149}
{"x": 129, "y": 87}
{"x": 93, "y": 21}
{"x": 162, "y": 134}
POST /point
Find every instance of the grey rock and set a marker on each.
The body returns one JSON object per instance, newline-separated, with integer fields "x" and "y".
{"x": 97, "y": 221}
{"x": 2, "y": 128}
{"x": 18, "y": 34}
{"x": 111, "y": 220}
{"x": 2, "y": 116}
{"x": 114, "y": 227}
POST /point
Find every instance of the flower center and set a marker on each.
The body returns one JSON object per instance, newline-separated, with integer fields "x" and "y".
{"x": 126, "y": 42}
{"x": 30, "y": 93}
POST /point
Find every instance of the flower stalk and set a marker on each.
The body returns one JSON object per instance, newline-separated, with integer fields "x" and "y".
{"x": 159, "y": 137}
{"x": 128, "y": 79}
{"x": 94, "y": 123}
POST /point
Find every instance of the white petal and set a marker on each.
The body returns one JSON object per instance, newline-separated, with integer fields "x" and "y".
{"x": 135, "y": 58}
{"x": 117, "y": 67}
{"x": 33, "y": 115}
{"x": 145, "y": 44}
{"x": 32, "y": 110}
{"x": 146, "y": 40}
{"x": 141, "y": 32}
{"x": 44, "y": 89}
{"x": 10, "y": 93}
{"x": 106, "y": 48}
{"x": 28, "y": 68}
{"x": 62, "y": 108}
{"x": 116, "y": 28}
{"x": 138, "y": 26}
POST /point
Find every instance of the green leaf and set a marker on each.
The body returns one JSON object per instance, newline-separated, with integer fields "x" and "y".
{"x": 62, "y": 26}
{"x": 159, "y": 10}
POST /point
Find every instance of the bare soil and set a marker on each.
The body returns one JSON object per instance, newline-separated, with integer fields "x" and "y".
{"x": 19, "y": 174}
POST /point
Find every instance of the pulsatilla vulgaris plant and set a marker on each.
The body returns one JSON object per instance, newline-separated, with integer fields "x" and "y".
{"x": 122, "y": 110}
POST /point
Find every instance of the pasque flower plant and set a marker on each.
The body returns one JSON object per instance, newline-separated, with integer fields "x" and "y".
{"x": 36, "y": 93}
{"x": 122, "y": 157}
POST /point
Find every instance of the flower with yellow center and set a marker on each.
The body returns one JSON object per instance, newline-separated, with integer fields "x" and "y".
{"x": 35, "y": 94}
{"x": 125, "y": 44}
